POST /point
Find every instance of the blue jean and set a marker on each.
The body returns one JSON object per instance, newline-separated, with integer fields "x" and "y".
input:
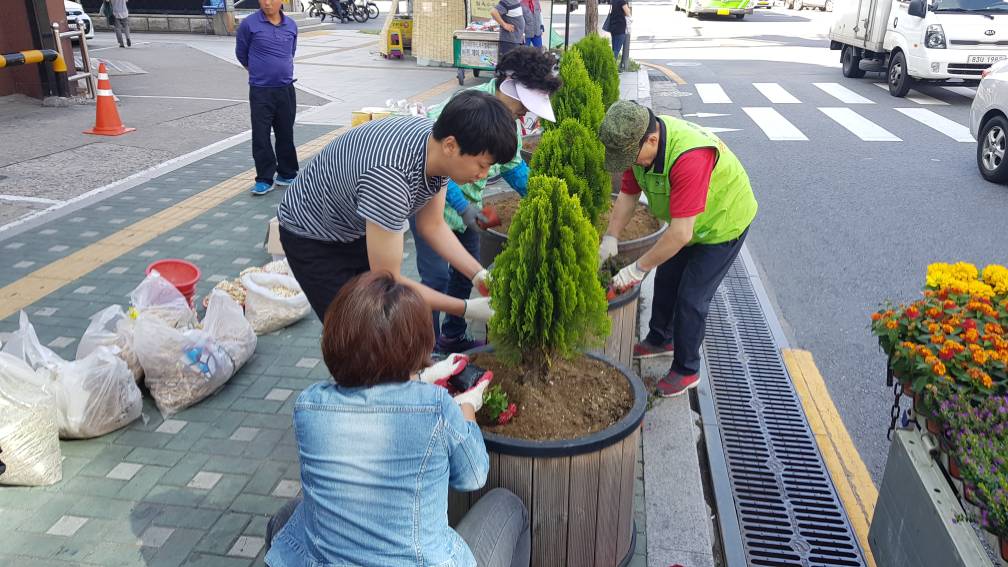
{"x": 618, "y": 39}
{"x": 534, "y": 41}
{"x": 437, "y": 274}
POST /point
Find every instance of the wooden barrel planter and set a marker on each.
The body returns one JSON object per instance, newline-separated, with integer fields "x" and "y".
{"x": 623, "y": 316}
{"x": 492, "y": 241}
{"x": 528, "y": 141}
{"x": 579, "y": 492}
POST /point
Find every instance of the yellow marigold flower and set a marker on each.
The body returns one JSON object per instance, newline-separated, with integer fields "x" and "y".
{"x": 931, "y": 360}
{"x": 891, "y": 324}
{"x": 997, "y": 277}
{"x": 938, "y": 368}
{"x": 987, "y": 382}
{"x": 909, "y": 345}
{"x": 980, "y": 356}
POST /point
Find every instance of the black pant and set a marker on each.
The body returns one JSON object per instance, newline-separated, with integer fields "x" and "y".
{"x": 323, "y": 268}
{"x": 273, "y": 108}
{"x": 684, "y": 287}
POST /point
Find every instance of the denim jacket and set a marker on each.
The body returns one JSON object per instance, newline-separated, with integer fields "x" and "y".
{"x": 376, "y": 464}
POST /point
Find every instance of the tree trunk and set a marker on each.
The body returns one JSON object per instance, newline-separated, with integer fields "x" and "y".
{"x": 591, "y": 17}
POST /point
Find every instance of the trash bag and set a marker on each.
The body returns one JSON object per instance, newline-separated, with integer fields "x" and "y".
{"x": 273, "y": 301}
{"x": 111, "y": 327}
{"x": 183, "y": 367}
{"x": 29, "y": 436}
{"x": 92, "y": 396}
{"x": 157, "y": 296}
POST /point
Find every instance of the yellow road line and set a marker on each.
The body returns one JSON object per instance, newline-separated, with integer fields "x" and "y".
{"x": 51, "y": 277}
{"x": 850, "y": 476}
{"x": 672, "y": 75}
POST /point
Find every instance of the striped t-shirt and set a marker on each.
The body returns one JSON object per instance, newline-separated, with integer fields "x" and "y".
{"x": 374, "y": 172}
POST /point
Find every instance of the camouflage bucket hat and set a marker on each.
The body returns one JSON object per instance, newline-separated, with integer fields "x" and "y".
{"x": 621, "y": 131}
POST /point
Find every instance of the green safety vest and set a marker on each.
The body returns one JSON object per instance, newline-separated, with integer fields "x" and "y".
{"x": 731, "y": 205}
{"x": 474, "y": 191}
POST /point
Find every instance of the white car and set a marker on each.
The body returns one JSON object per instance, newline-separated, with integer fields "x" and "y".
{"x": 75, "y": 15}
{"x": 989, "y": 122}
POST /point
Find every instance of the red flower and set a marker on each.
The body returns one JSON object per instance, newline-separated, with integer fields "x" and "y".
{"x": 949, "y": 304}
{"x": 969, "y": 324}
{"x": 506, "y": 415}
{"x": 946, "y": 354}
{"x": 912, "y": 312}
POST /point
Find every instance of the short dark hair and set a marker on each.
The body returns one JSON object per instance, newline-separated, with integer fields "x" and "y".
{"x": 377, "y": 330}
{"x": 479, "y": 123}
{"x": 652, "y": 127}
{"x": 530, "y": 67}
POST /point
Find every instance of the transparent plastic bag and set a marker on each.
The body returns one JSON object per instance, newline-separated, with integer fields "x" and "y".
{"x": 273, "y": 301}
{"x": 29, "y": 437}
{"x": 111, "y": 327}
{"x": 158, "y": 297}
{"x": 184, "y": 367}
{"x": 92, "y": 396}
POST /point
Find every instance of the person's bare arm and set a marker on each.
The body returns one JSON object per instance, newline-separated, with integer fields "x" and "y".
{"x": 677, "y": 235}
{"x": 440, "y": 237}
{"x": 626, "y": 10}
{"x": 500, "y": 20}
{"x": 385, "y": 253}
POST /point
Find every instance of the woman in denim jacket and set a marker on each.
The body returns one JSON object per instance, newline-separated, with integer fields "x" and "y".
{"x": 381, "y": 444}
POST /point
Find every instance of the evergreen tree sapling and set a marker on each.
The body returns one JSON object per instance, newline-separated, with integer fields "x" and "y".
{"x": 579, "y": 97}
{"x": 545, "y": 291}
{"x": 574, "y": 154}
{"x": 601, "y": 65}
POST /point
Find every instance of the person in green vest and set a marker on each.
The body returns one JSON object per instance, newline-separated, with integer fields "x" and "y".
{"x": 523, "y": 80}
{"x": 695, "y": 183}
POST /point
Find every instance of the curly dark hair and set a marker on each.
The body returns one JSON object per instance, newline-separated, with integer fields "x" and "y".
{"x": 530, "y": 67}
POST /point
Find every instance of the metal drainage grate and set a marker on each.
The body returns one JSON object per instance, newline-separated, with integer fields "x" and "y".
{"x": 657, "y": 76}
{"x": 786, "y": 511}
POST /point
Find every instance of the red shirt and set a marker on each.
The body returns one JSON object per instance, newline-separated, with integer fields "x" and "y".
{"x": 689, "y": 180}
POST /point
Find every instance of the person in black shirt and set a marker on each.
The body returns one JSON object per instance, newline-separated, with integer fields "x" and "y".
{"x": 619, "y": 19}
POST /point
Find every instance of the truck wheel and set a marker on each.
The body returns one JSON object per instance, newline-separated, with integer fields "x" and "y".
{"x": 899, "y": 80}
{"x": 851, "y": 63}
{"x": 991, "y": 150}
{"x": 739, "y": 16}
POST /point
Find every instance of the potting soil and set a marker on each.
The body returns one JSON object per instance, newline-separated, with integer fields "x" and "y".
{"x": 642, "y": 224}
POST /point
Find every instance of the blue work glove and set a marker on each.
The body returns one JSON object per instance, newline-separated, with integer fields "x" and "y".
{"x": 455, "y": 198}
{"x": 517, "y": 178}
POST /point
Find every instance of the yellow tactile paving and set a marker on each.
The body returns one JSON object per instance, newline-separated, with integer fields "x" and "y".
{"x": 850, "y": 476}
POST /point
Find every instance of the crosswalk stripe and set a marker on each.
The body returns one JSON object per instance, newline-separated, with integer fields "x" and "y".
{"x": 859, "y": 125}
{"x": 842, "y": 93}
{"x": 712, "y": 93}
{"x": 964, "y": 91}
{"x": 776, "y": 93}
{"x": 953, "y": 130}
{"x": 917, "y": 96}
{"x": 775, "y": 126}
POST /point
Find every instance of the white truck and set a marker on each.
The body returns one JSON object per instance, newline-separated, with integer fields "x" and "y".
{"x": 920, "y": 40}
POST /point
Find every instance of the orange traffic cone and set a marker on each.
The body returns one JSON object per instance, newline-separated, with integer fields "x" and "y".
{"x": 107, "y": 121}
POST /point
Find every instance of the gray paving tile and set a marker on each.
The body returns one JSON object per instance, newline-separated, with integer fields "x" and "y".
{"x": 124, "y": 471}
{"x": 67, "y": 526}
{"x": 204, "y": 480}
{"x": 247, "y": 546}
{"x": 155, "y": 536}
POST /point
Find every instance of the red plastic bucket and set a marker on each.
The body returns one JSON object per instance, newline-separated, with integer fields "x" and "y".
{"x": 183, "y": 275}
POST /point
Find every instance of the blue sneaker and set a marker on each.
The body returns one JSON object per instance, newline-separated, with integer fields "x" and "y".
{"x": 261, "y": 188}
{"x": 283, "y": 181}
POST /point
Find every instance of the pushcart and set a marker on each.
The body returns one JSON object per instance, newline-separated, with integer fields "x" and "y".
{"x": 475, "y": 50}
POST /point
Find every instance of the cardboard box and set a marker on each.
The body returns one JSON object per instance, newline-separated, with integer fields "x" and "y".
{"x": 272, "y": 243}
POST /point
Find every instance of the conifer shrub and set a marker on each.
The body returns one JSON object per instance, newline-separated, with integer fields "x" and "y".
{"x": 601, "y": 66}
{"x": 579, "y": 97}
{"x": 545, "y": 291}
{"x": 574, "y": 154}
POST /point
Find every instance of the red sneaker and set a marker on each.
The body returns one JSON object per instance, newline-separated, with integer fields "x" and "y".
{"x": 674, "y": 384}
{"x": 645, "y": 349}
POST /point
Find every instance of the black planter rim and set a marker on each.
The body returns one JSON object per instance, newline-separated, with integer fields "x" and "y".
{"x": 581, "y": 445}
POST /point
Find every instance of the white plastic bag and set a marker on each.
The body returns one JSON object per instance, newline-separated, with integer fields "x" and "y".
{"x": 157, "y": 296}
{"x": 92, "y": 396}
{"x": 267, "y": 307}
{"x": 111, "y": 327}
{"x": 183, "y": 367}
{"x": 29, "y": 437}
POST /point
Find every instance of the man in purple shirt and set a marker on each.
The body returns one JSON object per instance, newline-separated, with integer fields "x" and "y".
{"x": 265, "y": 45}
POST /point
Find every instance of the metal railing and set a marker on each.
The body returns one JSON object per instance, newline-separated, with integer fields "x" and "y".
{"x": 85, "y": 72}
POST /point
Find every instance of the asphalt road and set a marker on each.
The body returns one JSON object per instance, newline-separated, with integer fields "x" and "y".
{"x": 857, "y": 195}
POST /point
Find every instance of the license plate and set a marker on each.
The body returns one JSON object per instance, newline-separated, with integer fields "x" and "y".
{"x": 723, "y": 12}
{"x": 985, "y": 59}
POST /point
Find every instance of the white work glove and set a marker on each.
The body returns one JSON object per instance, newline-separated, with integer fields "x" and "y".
{"x": 478, "y": 309}
{"x": 628, "y": 277}
{"x": 481, "y": 282}
{"x": 472, "y": 216}
{"x": 608, "y": 248}
{"x": 439, "y": 372}
{"x": 474, "y": 396}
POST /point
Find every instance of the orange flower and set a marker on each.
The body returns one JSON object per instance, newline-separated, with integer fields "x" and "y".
{"x": 924, "y": 351}
{"x": 912, "y": 312}
{"x": 937, "y": 339}
{"x": 980, "y": 357}
{"x": 891, "y": 324}
{"x": 876, "y": 316}
{"x": 946, "y": 354}
{"x": 987, "y": 382}
{"x": 947, "y": 329}
{"x": 934, "y": 312}
{"x": 949, "y": 304}
{"x": 931, "y": 360}
{"x": 934, "y": 328}
{"x": 971, "y": 336}
{"x": 993, "y": 329}
{"x": 938, "y": 368}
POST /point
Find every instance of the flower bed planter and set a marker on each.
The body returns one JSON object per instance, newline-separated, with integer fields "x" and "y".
{"x": 492, "y": 241}
{"x": 623, "y": 315}
{"x": 579, "y": 492}
{"x": 529, "y": 144}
